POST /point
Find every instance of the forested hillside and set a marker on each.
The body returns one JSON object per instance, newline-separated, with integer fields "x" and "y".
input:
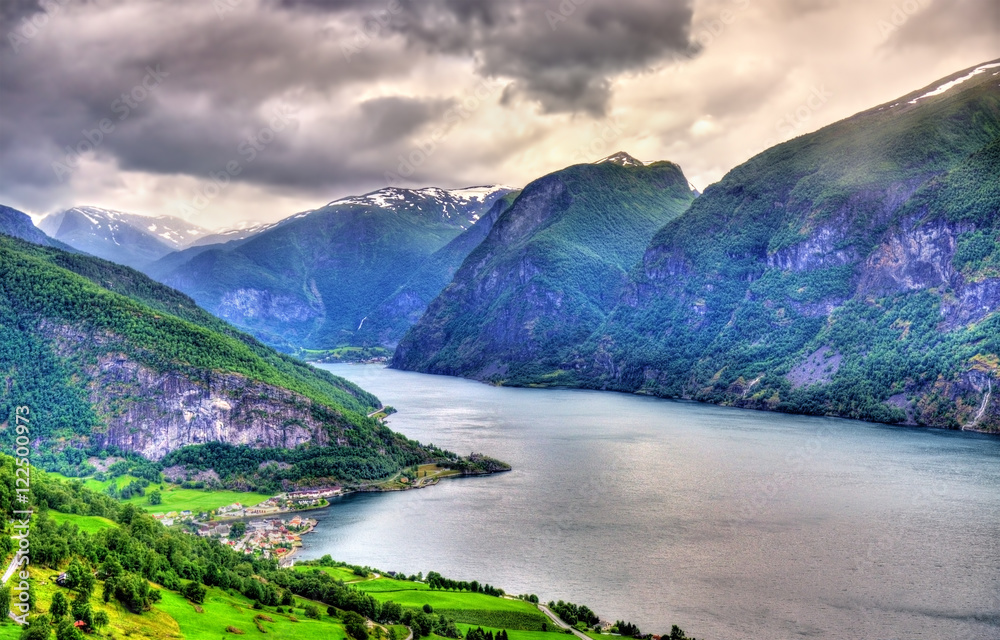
{"x": 547, "y": 274}
{"x": 852, "y": 271}
{"x": 113, "y": 362}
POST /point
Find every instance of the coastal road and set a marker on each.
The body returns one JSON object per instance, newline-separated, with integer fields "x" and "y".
{"x": 562, "y": 625}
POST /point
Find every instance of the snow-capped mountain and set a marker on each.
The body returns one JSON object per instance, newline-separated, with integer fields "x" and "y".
{"x": 126, "y": 238}
{"x": 623, "y": 159}
{"x": 461, "y": 206}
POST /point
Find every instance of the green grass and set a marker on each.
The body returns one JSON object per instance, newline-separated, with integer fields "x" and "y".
{"x": 390, "y": 585}
{"x": 464, "y": 607}
{"x": 221, "y": 609}
{"x": 195, "y": 500}
{"x": 523, "y": 620}
{"x": 87, "y": 524}
{"x": 338, "y": 573}
{"x": 174, "y": 497}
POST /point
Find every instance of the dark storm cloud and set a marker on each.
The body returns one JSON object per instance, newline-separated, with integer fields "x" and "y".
{"x": 219, "y": 78}
{"x": 562, "y": 54}
{"x": 943, "y": 23}
{"x": 393, "y": 118}
{"x": 224, "y": 70}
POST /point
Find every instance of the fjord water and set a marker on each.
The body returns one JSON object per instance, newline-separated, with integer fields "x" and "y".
{"x": 730, "y": 523}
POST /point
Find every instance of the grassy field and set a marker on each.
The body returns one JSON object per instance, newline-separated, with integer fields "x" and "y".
{"x": 388, "y": 585}
{"x": 88, "y": 524}
{"x": 464, "y": 607}
{"x": 176, "y": 618}
{"x": 174, "y": 497}
{"x": 151, "y": 625}
{"x": 221, "y": 610}
{"x": 339, "y": 573}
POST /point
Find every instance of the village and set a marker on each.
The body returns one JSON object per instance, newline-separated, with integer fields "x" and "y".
{"x": 266, "y": 537}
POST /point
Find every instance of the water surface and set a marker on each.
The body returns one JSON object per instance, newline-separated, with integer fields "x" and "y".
{"x": 730, "y": 523}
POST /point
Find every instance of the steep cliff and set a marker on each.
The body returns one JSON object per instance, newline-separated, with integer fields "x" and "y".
{"x": 110, "y": 361}
{"x": 548, "y": 272}
{"x": 854, "y": 271}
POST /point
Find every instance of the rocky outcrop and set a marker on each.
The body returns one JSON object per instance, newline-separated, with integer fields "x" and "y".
{"x": 153, "y": 413}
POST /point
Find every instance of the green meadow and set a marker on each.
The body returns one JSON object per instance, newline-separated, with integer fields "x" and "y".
{"x": 174, "y": 497}
{"x": 88, "y": 524}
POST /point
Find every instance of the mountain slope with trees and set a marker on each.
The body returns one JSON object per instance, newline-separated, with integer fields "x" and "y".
{"x": 113, "y": 362}
{"x": 548, "y": 272}
{"x": 314, "y": 279}
{"x": 852, "y": 271}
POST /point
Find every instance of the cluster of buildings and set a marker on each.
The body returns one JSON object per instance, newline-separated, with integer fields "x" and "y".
{"x": 174, "y": 517}
{"x": 269, "y": 538}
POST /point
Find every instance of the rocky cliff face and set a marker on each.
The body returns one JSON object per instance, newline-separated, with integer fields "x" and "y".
{"x": 153, "y": 412}
{"x": 854, "y": 271}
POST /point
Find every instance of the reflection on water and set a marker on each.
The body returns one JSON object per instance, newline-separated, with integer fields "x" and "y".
{"x": 733, "y": 524}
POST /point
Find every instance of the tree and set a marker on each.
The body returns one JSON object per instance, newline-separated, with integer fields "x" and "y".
{"x": 238, "y": 530}
{"x": 4, "y": 602}
{"x": 312, "y": 611}
{"x": 428, "y": 608}
{"x": 355, "y": 625}
{"x": 155, "y": 498}
{"x": 79, "y": 578}
{"x": 38, "y": 629}
{"x": 68, "y": 631}
{"x": 194, "y": 592}
{"x": 392, "y": 612}
{"x": 59, "y": 607}
{"x": 101, "y": 620}
{"x": 80, "y": 608}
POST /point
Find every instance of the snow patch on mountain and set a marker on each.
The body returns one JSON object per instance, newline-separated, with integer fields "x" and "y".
{"x": 957, "y": 81}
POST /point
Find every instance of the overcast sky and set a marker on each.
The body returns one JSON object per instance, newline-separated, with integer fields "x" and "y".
{"x": 292, "y": 103}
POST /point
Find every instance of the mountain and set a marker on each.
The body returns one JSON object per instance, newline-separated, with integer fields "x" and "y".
{"x": 125, "y": 238}
{"x": 547, "y": 274}
{"x": 111, "y": 362}
{"x": 313, "y": 280}
{"x": 19, "y": 225}
{"x": 853, "y": 271}
{"x": 401, "y": 310}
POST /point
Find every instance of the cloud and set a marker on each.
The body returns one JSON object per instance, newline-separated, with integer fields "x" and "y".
{"x": 563, "y": 55}
{"x": 370, "y": 85}
{"x": 940, "y": 24}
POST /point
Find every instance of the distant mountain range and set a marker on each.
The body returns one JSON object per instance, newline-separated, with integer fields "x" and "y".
{"x": 854, "y": 271}
{"x": 127, "y": 238}
{"x": 315, "y": 279}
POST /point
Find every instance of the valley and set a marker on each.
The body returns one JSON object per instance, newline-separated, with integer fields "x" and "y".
{"x": 705, "y": 403}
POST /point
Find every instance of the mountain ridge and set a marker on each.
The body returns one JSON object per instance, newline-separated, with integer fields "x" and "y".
{"x": 852, "y": 271}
